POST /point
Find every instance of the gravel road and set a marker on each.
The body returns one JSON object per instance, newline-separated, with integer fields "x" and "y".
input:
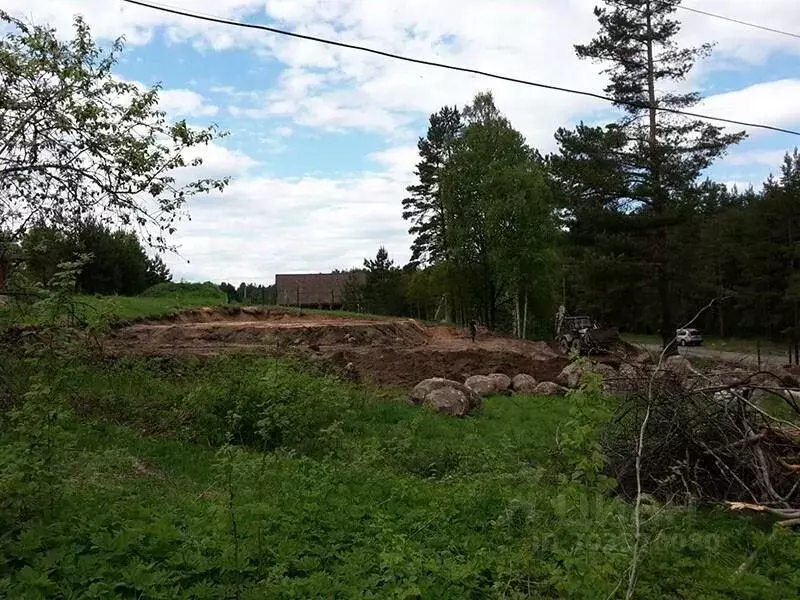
{"x": 746, "y": 359}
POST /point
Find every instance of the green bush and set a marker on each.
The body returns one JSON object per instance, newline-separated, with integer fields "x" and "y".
{"x": 188, "y": 292}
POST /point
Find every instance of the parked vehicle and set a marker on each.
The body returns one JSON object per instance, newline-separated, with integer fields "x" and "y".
{"x": 688, "y": 337}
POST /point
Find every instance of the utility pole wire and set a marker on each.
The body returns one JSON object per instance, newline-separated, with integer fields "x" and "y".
{"x": 733, "y": 20}
{"x": 319, "y": 40}
{"x": 678, "y": 5}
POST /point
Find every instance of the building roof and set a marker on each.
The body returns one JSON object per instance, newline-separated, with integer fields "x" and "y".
{"x": 311, "y": 288}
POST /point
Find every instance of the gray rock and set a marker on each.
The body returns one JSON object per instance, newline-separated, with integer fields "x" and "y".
{"x": 524, "y": 384}
{"x": 449, "y": 401}
{"x": 548, "y": 388}
{"x": 423, "y": 389}
{"x": 678, "y": 365}
{"x": 502, "y": 382}
{"x": 605, "y": 371}
{"x": 483, "y": 385}
{"x": 571, "y": 375}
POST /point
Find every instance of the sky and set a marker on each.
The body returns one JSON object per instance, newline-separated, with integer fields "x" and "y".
{"x": 322, "y": 140}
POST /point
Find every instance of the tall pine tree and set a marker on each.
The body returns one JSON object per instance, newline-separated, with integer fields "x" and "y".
{"x": 656, "y": 157}
{"x": 423, "y": 207}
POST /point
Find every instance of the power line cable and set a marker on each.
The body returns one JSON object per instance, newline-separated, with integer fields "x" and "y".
{"x": 706, "y": 13}
{"x": 737, "y": 21}
{"x": 319, "y": 40}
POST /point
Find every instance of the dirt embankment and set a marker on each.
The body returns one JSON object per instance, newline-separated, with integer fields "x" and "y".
{"x": 386, "y": 351}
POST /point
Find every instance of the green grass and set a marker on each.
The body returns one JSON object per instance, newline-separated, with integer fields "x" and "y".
{"x": 111, "y": 308}
{"x": 158, "y": 301}
{"x": 128, "y": 308}
{"x": 329, "y": 491}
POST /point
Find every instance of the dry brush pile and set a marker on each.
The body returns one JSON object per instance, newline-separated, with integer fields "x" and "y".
{"x": 709, "y": 437}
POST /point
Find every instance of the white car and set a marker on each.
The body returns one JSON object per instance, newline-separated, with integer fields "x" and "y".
{"x": 688, "y": 337}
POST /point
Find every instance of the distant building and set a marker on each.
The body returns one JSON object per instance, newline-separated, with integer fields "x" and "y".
{"x": 314, "y": 290}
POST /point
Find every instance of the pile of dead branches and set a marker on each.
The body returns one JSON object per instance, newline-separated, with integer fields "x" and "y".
{"x": 708, "y": 438}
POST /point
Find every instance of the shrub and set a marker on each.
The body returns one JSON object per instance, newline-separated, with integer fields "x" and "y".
{"x": 188, "y": 292}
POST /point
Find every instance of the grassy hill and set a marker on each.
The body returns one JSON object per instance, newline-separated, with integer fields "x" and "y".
{"x": 159, "y": 300}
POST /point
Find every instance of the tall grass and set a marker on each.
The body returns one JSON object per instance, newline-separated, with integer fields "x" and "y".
{"x": 256, "y": 478}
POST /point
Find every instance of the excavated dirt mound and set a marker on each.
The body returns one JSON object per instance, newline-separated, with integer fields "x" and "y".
{"x": 397, "y": 352}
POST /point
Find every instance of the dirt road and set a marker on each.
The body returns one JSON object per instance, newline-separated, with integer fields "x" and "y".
{"x": 745, "y": 359}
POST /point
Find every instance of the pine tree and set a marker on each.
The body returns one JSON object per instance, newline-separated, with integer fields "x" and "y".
{"x": 423, "y": 208}
{"x": 382, "y": 288}
{"x": 659, "y": 155}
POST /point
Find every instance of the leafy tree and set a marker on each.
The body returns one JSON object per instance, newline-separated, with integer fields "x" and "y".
{"x": 43, "y": 248}
{"x": 230, "y": 291}
{"x": 647, "y": 163}
{"x": 499, "y": 214}
{"x": 116, "y": 262}
{"x": 79, "y": 141}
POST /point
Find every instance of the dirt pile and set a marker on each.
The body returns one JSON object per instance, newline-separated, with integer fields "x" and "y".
{"x": 398, "y": 352}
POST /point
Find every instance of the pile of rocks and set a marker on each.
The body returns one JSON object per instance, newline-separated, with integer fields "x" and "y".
{"x": 460, "y": 399}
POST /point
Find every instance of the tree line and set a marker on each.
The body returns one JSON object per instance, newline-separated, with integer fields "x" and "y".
{"x": 112, "y": 261}
{"x": 250, "y": 293}
{"x": 620, "y": 222}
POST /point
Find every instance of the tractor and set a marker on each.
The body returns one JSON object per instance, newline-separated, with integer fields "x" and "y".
{"x": 582, "y": 334}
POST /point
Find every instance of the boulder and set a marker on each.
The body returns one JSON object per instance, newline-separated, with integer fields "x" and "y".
{"x": 449, "y": 401}
{"x": 423, "y": 388}
{"x": 419, "y": 395}
{"x": 786, "y": 377}
{"x": 502, "y": 381}
{"x": 571, "y": 375}
{"x": 605, "y": 371}
{"x": 678, "y": 365}
{"x": 629, "y": 372}
{"x": 483, "y": 385}
{"x": 524, "y": 384}
{"x": 548, "y": 388}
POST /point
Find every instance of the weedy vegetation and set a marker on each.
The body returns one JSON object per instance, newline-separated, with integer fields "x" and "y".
{"x": 253, "y": 477}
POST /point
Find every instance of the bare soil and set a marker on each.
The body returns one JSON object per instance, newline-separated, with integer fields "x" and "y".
{"x": 397, "y": 352}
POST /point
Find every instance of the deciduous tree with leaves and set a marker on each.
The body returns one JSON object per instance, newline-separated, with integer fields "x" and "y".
{"x": 499, "y": 214}
{"x": 77, "y": 141}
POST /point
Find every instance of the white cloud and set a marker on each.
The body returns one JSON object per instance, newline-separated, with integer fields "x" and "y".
{"x": 262, "y": 224}
{"x": 178, "y": 102}
{"x": 765, "y": 158}
{"x": 770, "y": 103}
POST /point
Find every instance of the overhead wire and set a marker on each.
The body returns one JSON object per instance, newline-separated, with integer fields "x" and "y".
{"x": 706, "y": 13}
{"x": 734, "y": 20}
{"x": 429, "y": 63}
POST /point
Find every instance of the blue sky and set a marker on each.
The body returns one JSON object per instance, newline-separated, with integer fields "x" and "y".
{"x": 322, "y": 140}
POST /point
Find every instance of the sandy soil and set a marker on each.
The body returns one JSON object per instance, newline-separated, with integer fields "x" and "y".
{"x": 385, "y": 351}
